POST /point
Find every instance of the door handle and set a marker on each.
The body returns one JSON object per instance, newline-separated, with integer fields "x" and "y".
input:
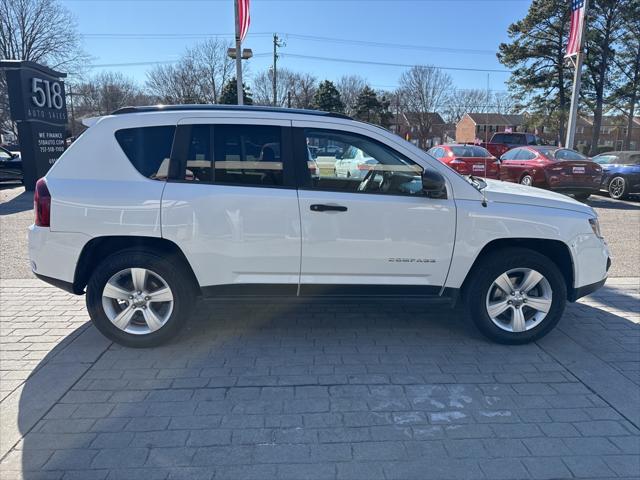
{"x": 327, "y": 208}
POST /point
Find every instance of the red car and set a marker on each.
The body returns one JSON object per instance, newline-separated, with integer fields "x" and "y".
{"x": 468, "y": 160}
{"x": 553, "y": 168}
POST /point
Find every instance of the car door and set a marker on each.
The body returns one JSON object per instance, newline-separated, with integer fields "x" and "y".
{"x": 508, "y": 166}
{"x": 370, "y": 235}
{"x": 231, "y": 203}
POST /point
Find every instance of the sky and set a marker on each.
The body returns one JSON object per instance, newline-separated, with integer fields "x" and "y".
{"x": 457, "y": 34}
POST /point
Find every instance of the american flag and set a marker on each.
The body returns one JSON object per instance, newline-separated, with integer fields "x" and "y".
{"x": 244, "y": 19}
{"x": 577, "y": 22}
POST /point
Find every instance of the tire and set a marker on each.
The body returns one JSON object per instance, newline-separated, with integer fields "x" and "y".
{"x": 618, "y": 188}
{"x": 125, "y": 305}
{"x": 481, "y": 291}
{"x": 581, "y": 197}
{"x": 527, "y": 180}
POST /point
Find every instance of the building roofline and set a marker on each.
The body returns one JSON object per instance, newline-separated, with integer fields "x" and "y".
{"x": 230, "y": 108}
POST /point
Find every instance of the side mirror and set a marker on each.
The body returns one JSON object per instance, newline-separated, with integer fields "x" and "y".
{"x": 434, "y": 184}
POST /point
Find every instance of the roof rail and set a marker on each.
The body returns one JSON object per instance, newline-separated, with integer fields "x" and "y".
{"x": 245, "y": 108}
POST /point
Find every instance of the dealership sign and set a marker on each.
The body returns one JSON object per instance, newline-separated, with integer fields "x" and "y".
{"x": 38, "y": 106}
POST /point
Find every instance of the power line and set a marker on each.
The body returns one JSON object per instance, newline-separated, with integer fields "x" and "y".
{"x": 389, "y": 45}
{"x": 389, "y": 64}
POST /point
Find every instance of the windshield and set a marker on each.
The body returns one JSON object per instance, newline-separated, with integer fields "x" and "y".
{"x": 470, "y": 151}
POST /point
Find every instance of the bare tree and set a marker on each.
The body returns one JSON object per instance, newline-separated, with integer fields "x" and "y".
{"x": 198, "y": 77}
{"x": 465, "y": 101}
{"x": 104, "y": 93}
{"x": 504, "y": 103}
{"x": 262, "y": 86}
{"x": 350, "y": 87}
{"x": 424, "y": 90}
{"x": 295, "y": 90}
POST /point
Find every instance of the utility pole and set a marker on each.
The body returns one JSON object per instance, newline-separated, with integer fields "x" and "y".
{"x": 276, "y": 43}
{"x": 238, "y": 57}
{"x": 577, "y": 80}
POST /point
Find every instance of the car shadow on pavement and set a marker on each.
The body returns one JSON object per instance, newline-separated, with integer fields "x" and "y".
{"x": 21, "y": 203}
{"x": 603, "y": 202}
{"x": 297, "y": 389}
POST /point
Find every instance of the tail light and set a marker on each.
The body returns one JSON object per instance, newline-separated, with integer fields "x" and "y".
{"x": 364, "y": 166}
{"x": 42, "y": 204}
{"x": 457, "y": 161}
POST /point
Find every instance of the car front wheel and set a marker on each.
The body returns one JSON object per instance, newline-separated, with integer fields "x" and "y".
{"x": 139, "y": 299}
{"x": 527, "y": 180}
{"x": 618, "y": 188}
{"x": 516, "y": 296}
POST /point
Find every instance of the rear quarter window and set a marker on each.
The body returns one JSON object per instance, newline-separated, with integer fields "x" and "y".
{"x": 148, "y": 149}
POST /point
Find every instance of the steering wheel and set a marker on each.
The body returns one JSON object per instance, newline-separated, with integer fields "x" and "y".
{"x": 364, "y": 184}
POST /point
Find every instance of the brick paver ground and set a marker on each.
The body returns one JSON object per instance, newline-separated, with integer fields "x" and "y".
{"x": 299, "y": 390}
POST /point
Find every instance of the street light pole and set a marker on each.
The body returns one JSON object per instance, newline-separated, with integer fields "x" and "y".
{"x": 238, "y": 57}
{"x": 577, "y": 80}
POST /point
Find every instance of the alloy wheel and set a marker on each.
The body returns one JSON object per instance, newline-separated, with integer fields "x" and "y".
{"x": 519, "y": 300}
{"x": 527, "y": 180}
{"x": 137, "y": 301}
{"x": 616, "y": 187}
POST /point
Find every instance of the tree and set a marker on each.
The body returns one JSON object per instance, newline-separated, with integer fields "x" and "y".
{"x": 198, "y": 77}
{"x": 604, "y": 29}
{"x": 41, "y": 31}
{"x": 603, "y": 32}
{"x": 540, "y": 76}
{"x": 626, "y": 75}
{"x": 350, "y": 87}
{"x": 295, "y": 90}
{"x": 465, "y": 101}
{"x": 370, "y": 108}
{"x": 327, "y": 98}
{"x": 105, "y": 92}
{"x": 424, "y": 90}
{"x": 229, "y": 95}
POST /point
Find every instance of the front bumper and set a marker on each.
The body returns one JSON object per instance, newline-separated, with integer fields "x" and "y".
{"x": 585, "y": 290}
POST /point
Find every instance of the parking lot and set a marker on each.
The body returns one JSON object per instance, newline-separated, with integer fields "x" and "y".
{"x": 323, "y": 389}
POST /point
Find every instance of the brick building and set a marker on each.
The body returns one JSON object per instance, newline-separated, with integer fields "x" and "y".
{"x": 482, "y": 126}
{"x": 407, "y": 126}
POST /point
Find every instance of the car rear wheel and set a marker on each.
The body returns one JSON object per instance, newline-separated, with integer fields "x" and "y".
{"x": 527, "y": 180}
{"x": 515, "y": 296}
{"x": 139, "y": 299}
{"x": 618, "y": 188}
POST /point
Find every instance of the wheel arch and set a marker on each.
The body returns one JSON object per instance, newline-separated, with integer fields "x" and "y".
{"x": 557, "y": 251}
{"x": 101, "y": 247}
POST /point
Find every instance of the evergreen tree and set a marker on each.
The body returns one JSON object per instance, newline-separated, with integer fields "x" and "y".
{"x": 541, "y": 77}
{"x": 604, "y": 29}
{"x": 229, "y": 95}
{"x": 371, "y": 109}
{"x": 327, "y": 98}
{"x": 626, "y": 70}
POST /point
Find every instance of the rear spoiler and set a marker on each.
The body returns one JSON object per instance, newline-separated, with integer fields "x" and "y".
{"x": 90, "y": 121}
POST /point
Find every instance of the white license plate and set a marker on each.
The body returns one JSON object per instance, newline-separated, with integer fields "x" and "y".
{"x": 578, "y": 169}
{"x": 478, "y": 168}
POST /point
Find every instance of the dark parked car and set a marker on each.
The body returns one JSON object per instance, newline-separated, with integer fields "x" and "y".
{"x": 468, "y": 160}
{"x": 620, "y": 173}
{"x": 502, "y": 142}
{"x": 553, "y": 168}
{"x": 10, "y": 166}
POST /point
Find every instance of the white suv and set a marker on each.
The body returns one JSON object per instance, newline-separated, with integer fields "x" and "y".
{"x": 154, "y": 206}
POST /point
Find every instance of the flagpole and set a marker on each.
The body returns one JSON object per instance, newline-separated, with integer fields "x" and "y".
{"x": 577, "y": 80}
{"x": 238, "y": 56}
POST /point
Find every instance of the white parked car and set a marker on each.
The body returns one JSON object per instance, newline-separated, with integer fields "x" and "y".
{"x": 153, "y": 207}
{"x": 353, "y": 163}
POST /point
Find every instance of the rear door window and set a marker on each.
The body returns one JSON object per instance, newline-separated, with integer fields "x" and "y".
{"x": 148, "y": 149}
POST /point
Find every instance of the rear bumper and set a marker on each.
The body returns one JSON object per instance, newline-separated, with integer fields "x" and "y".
{"x": 580, "y": 292}
{"x": 54, "y": 255}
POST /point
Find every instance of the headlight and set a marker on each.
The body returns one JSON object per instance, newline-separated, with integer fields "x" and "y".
{"x": 595, "y": 226}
